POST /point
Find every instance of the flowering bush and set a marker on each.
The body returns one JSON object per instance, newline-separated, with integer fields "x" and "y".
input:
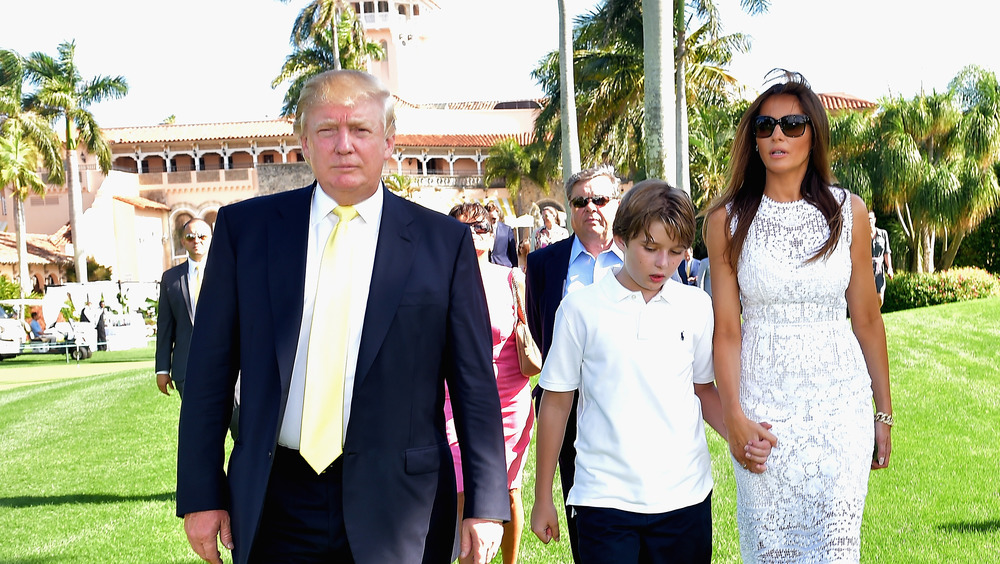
{"x": 909, "y": 290}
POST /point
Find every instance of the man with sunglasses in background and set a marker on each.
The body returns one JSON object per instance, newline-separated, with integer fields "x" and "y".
{"x": 566, "y": 266}
{"x": 179, "y": 290}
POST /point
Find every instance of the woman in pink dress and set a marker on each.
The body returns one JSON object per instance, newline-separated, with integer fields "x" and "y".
{"x": 512, "y": 386}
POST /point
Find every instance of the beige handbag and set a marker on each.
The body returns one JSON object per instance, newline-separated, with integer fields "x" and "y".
{"x": 528, "y": 356}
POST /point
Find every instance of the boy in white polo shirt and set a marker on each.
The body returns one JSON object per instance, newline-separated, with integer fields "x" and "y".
{"x": 638, "y": 346}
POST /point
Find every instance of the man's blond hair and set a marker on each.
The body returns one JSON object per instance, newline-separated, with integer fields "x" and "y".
{"x": 348, "y": 88}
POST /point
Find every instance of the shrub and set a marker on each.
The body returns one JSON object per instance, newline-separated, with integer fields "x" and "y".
{"x": 909, "y": 290}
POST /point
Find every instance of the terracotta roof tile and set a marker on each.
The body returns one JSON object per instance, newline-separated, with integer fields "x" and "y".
{"x": 40, "y": 249}
{"x": 142, "y": 203}
{"x": 62, "y": 237}
{"x": 460, "y": 140}
{"x": 843, "y": 101}
{"x": 199, "y": 132}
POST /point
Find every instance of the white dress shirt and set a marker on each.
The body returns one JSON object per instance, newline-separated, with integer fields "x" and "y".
{"x": 585, "y": 269}
{"x": 362, "y": 239}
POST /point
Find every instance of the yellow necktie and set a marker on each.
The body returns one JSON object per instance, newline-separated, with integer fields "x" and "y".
{"x": 322, "y": 435}
{"x": 195, "y": 287}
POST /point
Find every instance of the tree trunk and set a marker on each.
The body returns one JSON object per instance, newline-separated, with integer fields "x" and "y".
{"x": 927, "y": 249}
{"x": 22, "y": 245}
{"x": 680, "y": 86}
{"x": 75, "y": 204}
{"x": 949, "y": 254}
{"x": 336, "y": 39}
{"x": 567, "y": 100}
{"x": 659, "y": 98}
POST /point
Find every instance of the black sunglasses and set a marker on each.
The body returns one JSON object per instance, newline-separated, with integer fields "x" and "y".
{"x": 599, "y": 201}
{"x": 480, "y": 227}
{"x": 793, "y": 125}
{"x": 192, "y": 236}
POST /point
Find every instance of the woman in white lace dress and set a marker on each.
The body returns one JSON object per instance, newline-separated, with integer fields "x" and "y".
{"x": 790, "y": 254}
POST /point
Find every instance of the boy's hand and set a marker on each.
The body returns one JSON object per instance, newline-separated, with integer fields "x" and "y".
{"x": 745, "y": 433}
{"x": 544, "y": 521}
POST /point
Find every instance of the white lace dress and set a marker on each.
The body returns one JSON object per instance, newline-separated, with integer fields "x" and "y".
{"x": 802, "y": 370}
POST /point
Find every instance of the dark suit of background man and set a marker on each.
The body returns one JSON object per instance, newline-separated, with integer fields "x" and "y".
{"x": 178, "y": 292}
{"x": 417, "y": 318}
{"x": 505, "y": 243}
{"x": 567, "y": 266}
{"x": 690, "y": 268}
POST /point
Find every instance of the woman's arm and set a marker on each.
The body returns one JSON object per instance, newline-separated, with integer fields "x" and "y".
{"x": 728, "y": 341}
{"x": 866, "y": 319}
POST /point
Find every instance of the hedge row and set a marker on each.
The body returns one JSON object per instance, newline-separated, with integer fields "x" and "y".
{"x": 909, "y": 290}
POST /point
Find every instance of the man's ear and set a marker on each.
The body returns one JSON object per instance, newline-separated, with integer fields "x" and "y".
{"x": 390, "y": 146}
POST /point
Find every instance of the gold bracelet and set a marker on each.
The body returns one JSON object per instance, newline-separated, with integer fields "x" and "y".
{"x": 886, "y": 418}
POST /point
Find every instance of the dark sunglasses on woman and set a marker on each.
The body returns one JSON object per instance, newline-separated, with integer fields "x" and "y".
{"x": 599, "y": 201}
{"x": 480, "y": 227}
{"x": 793, "y": 125}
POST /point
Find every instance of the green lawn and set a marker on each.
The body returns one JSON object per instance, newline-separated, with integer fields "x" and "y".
{"x": 87, "y": 471}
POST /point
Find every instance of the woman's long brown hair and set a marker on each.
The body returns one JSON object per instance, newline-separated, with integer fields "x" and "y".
{"x": 747, "y": 173}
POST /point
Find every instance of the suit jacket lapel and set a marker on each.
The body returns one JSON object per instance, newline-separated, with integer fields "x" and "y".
{"x": 393, "y": 260}
{"x": 186, "y": 291}
{"x": 288, "y": 242}
{"x": 559, "y": 271}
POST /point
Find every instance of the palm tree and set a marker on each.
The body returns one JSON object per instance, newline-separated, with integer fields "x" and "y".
{"x": 19, "y": 170}
{"x": 567, "y": 96}
{"x": 610, "y": 84}
{"x": 712, "y": 131}
{"x": 317, "y": 16}
{"x": 659, "y": 98}
{"x": 510, "y": 162}
{"x": 933, "y": 164}
{"x": 320, "y": 53}
{"x": 63, "y": 93}
{"x": 25, "y": 137}
{"x": 684, "y": 15}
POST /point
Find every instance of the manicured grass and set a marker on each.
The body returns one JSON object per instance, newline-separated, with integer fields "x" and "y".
{"x": 87, "y": 472}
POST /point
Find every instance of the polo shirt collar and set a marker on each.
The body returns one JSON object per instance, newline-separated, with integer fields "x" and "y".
{"x": 616, "y": 292}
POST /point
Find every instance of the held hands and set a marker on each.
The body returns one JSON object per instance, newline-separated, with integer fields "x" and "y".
{"x": 544, "y": 521}
{"x": 203, "y": 527}
{"x": 750, "y": 443}
{"x": 480, "y": 539}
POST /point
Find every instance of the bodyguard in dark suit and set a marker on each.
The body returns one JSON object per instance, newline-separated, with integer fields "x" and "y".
{"x": 416, "y": 318}
{"x": 175, "y": 319}
{"x": 505, "y": 243}
{"x": 568, "y": 265}
{"x": 690, "y": 268}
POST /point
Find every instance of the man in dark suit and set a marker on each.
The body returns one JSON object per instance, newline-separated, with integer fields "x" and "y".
{"x": 416, "y": 318}
{"x": 568, "y": 265}
{"x": 505, "y": 240}
{"x": 690, "y": 268}
{"x": 175, "y": 318}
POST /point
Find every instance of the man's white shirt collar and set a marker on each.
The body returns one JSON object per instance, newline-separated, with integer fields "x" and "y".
{"x": 369, "y": 210}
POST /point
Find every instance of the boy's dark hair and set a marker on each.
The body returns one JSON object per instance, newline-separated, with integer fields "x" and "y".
{"x": 655, "y": 200}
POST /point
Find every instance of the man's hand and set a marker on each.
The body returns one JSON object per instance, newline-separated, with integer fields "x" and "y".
{"x": 163, "y": 382}
{"x": 481, "y": 539}
{"x": 202, "y": 529}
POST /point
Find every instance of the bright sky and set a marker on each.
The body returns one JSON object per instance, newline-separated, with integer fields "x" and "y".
{"x": 208, "y": 61}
